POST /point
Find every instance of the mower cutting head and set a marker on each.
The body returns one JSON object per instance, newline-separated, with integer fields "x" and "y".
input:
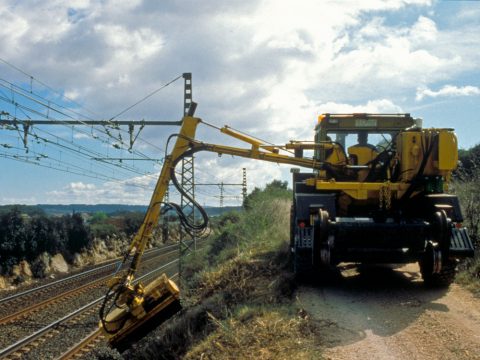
{"x": 134, "y": 310}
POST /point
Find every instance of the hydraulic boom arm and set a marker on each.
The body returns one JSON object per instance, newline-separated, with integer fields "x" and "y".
{"x": 127, "y": 305}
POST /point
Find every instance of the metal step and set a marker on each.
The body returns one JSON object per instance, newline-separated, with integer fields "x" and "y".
{"x": 460, "y": 243}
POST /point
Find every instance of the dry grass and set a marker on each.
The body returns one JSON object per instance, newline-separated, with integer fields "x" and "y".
{"x": 259, "y": 334}
{"x": 469, "y": 275}
{"x": 468, "y": 192}
{"x": 256, "y": 279}
{"x": 249, "y": 292}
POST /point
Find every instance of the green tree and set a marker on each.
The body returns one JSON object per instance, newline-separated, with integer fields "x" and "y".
{"x": 12, "y": 238}
{"x": 132, "y": 223}
{"x": 275, "y": 187}
{"x": 469, "y": 161}
{"x": 99, "y": 217}
{"x": 45, "y": 234}
{"x": 78, "y": 233}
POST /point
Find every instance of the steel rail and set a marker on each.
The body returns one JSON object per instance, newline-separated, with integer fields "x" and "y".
{"x": 71, "y": 353}
{"x": 12, "y": 348}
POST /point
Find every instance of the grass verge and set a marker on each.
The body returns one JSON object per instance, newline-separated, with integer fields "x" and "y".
{"x": 469, "y": 275}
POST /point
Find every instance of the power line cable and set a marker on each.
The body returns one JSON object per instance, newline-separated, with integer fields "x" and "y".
{"x": 78, "y": 151}
{"x": 146, "y": 97}
{"x": 21, "y": 91}
{"x": 45, "y": 85}
{"x": 24, "y": 108}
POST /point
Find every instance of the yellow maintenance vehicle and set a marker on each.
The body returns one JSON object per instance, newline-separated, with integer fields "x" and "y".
{"x": 359, "y": 202}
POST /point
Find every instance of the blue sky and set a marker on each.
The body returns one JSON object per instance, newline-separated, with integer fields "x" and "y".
{"x": 265, "y": 67}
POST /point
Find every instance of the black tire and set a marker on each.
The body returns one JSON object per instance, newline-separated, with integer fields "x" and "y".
{"x": 442, "y": 279}
{"x": 320, "y": 238}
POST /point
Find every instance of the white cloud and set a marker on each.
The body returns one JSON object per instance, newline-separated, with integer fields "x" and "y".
{"x": 129, "y": 45}
{"x": 447, "y": 91}
{"x": 266, "y": 68}
{"x": 424, "y": 30}
{"x": 372, "y": 106}
{"x": 81, "y": 136}
{"x": 135, "y": 191}
{"x": 26, "y": 200}
{"x": 80, "y": 186}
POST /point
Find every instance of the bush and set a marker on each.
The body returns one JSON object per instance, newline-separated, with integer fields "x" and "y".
{"x": 262, "y": 225}
{"x": 466, "y": 187}
{"x": 79, "y": 235}
{"x": 102, "y": 230}
{"x": 469, "y": 275}
{"x": 133, "y": 221}
{"x": 12, "y": 239}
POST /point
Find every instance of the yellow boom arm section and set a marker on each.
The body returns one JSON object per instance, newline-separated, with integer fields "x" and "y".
{"x": 127, "y": 305}
{"x": 187, "y": 132}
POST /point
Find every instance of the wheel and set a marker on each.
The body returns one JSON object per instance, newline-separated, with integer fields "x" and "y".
{"x": 321, "y": 248}
{"x": 442, "y": 230}
{"x": 435, "y": 272}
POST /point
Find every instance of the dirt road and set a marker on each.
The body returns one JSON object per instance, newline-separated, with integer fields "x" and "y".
{"x": 384, "y": 313}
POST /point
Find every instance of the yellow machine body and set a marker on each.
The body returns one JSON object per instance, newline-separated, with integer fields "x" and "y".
{"x": 362, "y": 155}
{"x": 442, "y": 160}
{"x": 388, "y": 203}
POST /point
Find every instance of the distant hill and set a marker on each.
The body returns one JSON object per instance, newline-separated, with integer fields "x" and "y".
{"x": 53, "y": 209}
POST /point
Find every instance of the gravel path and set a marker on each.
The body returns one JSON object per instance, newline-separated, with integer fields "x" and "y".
{"x": 384, "y": 313}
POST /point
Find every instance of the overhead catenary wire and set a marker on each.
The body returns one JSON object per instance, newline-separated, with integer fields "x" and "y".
{"x": 32, "y": 78}
{"x": 21, "y": 91}
{"x": 93, "y": 154}
{"x": 70, "y": 171}
{"x": 145, "y": 97}
{"x": 69, "y": 99}
{"x": 79, "y": 150}
{"x": 41, "y": 156}
{"x": 24, "y": 108}
{"x": 51, "y": 107}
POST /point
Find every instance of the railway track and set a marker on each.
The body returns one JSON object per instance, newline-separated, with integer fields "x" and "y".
{"x": 65, "y": 332}
{"x": 83, "y": 347}
{"x": 22, "y": 304}
{"x": 90, "y": 341}
{"x": 22, "y": 323}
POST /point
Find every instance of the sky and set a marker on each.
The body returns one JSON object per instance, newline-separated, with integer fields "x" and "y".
{"x": 267, "y": 68}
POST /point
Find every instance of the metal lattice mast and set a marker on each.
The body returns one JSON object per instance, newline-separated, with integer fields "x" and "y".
{"x": 221, "y": 194}
{"x": 187, "y": 182}
{"x": 188, "y": 174}
{"x": 244, "y": 184}
{"x": 165, "y": 234}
